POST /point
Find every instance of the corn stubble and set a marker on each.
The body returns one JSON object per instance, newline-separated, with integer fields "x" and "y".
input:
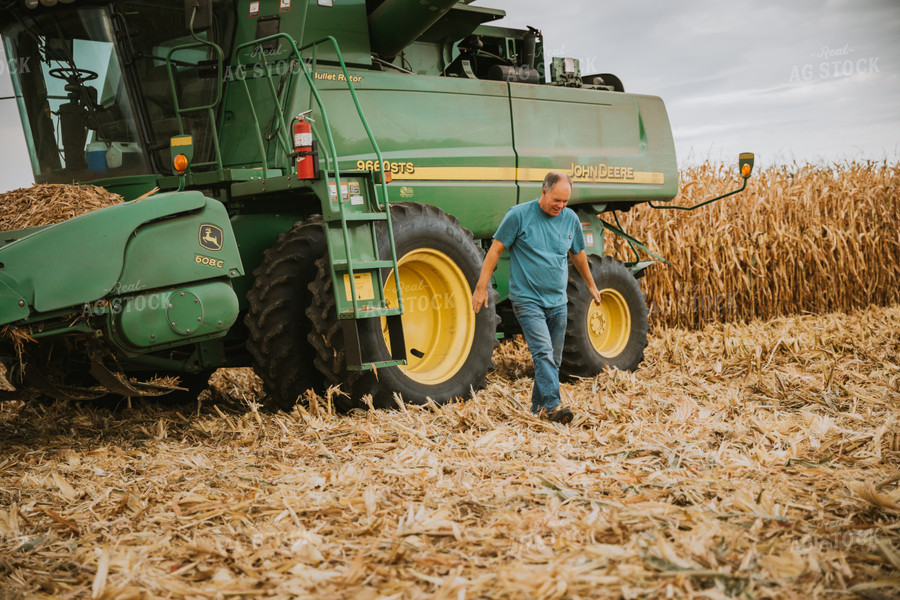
{"x": 742, "y": 460}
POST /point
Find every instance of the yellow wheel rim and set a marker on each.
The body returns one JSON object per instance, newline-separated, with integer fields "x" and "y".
{"x": 438, "y": 322}
{"x": 609, "y": 323}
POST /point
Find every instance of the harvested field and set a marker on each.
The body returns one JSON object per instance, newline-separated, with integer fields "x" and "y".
{"x": 751, "y": 461}
{"x": 47, "y": 204}
{"x": 804, "y": 239}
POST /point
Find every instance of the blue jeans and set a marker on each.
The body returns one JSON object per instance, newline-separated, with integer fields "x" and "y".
{"x": 545, "y": 332}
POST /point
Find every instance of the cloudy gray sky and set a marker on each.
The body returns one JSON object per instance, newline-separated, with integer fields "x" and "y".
{"x": 809, "y": 80}
{"x": 806, "y": 80}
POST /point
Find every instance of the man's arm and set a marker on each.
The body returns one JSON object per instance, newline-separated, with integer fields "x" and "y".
{"x": 480, "y": 295}
{"x": 581, "y": 265}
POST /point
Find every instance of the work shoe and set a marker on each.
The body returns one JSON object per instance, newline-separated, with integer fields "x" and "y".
{"x": 560, "y": 414}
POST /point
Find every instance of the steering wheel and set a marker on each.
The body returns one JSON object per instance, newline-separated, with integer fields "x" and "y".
{"x": 73, "y": 75}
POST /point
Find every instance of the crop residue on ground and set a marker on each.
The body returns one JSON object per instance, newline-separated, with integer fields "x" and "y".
{"x": 753, "y": 461}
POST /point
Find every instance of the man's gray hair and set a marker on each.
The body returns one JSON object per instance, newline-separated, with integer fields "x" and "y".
{"x": 552, "y": 178}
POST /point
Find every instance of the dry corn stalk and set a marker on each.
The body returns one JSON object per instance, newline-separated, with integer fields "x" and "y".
{"x": 804, "y": 239}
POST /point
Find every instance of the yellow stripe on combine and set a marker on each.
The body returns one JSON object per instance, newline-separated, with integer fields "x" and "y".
{"x": 512, "y": 174}
{"x": 460, "y": 174}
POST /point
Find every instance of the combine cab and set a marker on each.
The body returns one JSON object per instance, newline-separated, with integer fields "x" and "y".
{"x": 310, "y": 186}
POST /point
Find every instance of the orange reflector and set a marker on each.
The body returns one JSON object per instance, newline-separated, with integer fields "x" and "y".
{"x": 745, "y": 170}
{"x": 181, "y": 163}
{"x": 388, "y": 177}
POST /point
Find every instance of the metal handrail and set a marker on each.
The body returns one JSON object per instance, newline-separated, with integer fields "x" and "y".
{"x": 332, "y": 149}
{"x": 210, "y": 108}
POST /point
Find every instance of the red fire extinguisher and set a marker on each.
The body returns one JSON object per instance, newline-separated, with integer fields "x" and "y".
{"x": 305, "y": 149}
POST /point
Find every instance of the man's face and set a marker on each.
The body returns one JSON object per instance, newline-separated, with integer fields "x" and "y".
{"x": 554, "y": 200}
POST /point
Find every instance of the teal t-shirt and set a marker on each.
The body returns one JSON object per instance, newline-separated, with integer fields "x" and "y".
{"x": 538, "y": 246}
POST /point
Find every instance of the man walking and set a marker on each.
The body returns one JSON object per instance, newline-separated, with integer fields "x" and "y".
{"x": 539, "y": 235}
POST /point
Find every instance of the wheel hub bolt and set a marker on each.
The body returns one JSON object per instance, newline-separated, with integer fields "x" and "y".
{"x": 598, "y": 324}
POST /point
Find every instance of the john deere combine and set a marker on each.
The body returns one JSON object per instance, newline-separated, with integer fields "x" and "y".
{"x": 328, "y": 174}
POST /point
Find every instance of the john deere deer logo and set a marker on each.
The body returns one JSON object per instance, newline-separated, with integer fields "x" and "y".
{"x": 211, "y": 237}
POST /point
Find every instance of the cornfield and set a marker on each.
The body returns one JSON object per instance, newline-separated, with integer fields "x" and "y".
{"x": 799, "y": 239}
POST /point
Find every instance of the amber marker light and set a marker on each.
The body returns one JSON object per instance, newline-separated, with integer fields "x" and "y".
{"x": 181, "y": 163}
{"x": 745, "y": 161}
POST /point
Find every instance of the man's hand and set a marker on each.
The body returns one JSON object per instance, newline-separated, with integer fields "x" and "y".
{"x": 479, "y": 299}
{"x": 581, "y": 265}
{"x": 480, "y": 295}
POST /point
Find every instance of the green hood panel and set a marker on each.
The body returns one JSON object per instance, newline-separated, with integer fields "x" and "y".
{"x": 82, "y": 259}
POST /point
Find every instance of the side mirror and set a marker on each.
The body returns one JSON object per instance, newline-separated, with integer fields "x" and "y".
{"x": 745, "y": 162}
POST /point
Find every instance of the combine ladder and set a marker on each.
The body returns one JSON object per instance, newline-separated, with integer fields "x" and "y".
{"x": 353, "y": 217}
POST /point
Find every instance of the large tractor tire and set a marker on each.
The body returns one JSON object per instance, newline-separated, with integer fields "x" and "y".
{"x": 612, "y": 334}
{"x": 278, "y": 328}
{"x": 448, "y": 346}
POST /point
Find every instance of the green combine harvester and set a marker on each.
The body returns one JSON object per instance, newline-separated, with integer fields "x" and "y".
{"x": 329, "y": 173}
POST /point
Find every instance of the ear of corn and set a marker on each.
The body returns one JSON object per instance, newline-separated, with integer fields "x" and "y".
{"x": 799, "y": 239}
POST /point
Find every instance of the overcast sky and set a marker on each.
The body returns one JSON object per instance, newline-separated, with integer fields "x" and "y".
{"x": 802, "y": 80}
{"x": 806, "y": 80}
